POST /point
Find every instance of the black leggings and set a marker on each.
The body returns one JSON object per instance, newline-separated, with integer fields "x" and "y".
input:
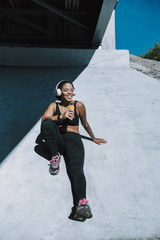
{"x": 70, "y": 145}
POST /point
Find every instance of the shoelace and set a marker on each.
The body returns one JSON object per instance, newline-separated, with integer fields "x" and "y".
{"x": 54, "y": 160}
{"x": 83, "y": 201}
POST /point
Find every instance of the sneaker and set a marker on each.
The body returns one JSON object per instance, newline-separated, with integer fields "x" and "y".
{"x": 75, "y": 217}
{"x": 54, "y": 164}
{"x": 79, "y": 218}
{"x": 83, "y": 209}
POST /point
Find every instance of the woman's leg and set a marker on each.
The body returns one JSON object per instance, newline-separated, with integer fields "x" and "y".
{"x": 55, "y": 143}
{"x": 74, "y": 158}
{"x": 52, "y": 136}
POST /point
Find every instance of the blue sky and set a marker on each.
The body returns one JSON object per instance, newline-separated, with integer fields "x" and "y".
{"x": 137, "y": 25}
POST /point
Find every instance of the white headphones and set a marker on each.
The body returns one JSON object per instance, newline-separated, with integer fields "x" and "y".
{"x": 57, "y": 91}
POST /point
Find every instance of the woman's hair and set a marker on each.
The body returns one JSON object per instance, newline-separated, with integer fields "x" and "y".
{"x": 60, "y": 86}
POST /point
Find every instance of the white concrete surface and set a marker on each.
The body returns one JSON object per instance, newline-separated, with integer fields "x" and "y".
{"x": 123, "y": 106}
{"x": 103, "y": 59}
{"x": 109, "y": 39}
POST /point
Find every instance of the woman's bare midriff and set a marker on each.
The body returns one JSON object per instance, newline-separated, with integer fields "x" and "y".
{"x": 69, "y": 128}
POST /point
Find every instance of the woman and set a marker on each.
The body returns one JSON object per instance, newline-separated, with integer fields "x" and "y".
{"x": 60, "y": 130}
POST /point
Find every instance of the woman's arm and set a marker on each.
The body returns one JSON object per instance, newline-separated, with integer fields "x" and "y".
{"x": 85, "y": 124}
{"x": 51, "y": 110}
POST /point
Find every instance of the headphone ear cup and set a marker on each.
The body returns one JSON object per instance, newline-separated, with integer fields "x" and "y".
{"x": 58, "y": 92}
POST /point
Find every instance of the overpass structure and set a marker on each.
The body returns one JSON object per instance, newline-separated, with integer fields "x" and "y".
{"x": 54, "y": 23}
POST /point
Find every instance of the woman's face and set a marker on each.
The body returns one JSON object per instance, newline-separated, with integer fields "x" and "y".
{"x": 67, "y": 92}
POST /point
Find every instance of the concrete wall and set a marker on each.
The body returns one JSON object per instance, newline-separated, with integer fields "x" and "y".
{"x": 108, "y": 41}
{"x": 50, "y": 57}
{"x": 103, "y": 21}
{"x": 57, "y": 57}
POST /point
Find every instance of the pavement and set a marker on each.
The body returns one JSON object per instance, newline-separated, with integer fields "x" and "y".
{"x": 123, "y": 106}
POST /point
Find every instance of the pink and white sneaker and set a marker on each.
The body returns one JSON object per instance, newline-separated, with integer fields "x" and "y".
{"x": 83, "y": 209}
{"x": 54, "y": 164}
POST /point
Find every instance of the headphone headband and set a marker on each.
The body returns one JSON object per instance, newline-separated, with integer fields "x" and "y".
{"x": 59, "y": 83}
{"x": 57, "y": 91}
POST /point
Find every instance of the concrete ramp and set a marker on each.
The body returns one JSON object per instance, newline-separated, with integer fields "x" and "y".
{"x": 123, "y": 106}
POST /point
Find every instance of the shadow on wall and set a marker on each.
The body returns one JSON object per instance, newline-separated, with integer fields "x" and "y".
{"x": 25, "y": 93}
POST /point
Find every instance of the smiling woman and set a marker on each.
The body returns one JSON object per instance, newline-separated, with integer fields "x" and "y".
{"x": 60, "y": 130}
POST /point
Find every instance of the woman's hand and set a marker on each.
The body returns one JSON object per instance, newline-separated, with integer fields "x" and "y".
{"x": 99, "y": 140}
{"x": 68, "y": 114}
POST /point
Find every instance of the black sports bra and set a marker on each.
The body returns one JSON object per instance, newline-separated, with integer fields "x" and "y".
{"x": 74, "y": 122}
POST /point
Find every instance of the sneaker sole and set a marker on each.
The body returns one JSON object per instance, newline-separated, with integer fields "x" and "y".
{"x": 84, "y": 214}
{"x": 54, "y": 173}
{"x": 79, "y": 218}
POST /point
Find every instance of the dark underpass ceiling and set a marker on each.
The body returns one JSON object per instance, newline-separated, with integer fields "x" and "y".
{"x": 49, "y": 23}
